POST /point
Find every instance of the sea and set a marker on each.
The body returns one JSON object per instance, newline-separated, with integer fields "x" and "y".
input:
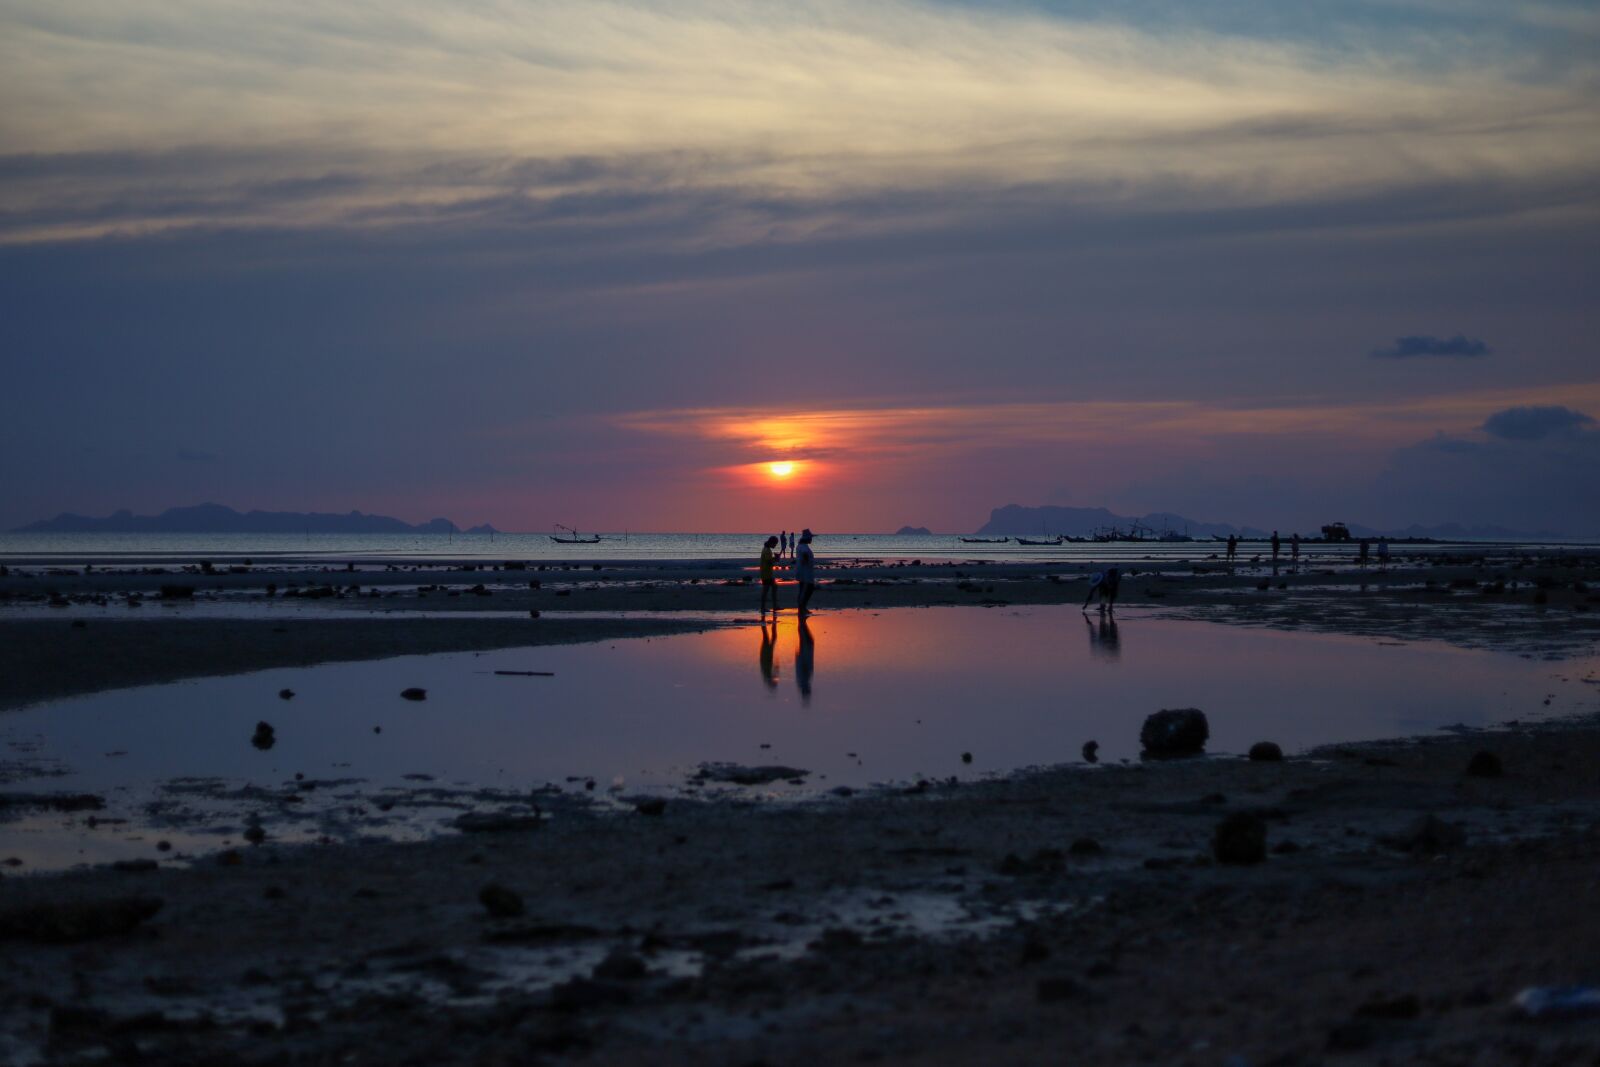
{"x": 38, "y": 549}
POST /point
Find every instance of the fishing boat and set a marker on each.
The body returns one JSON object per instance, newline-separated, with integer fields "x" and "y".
{"x": 1053, "y": 541}
{"x": 986, "y": 540}
{"x": 574, "y": 537}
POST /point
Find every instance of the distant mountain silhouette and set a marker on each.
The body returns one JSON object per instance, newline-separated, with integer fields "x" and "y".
{"x": 913, "y": 531}
{"x": 1014, "y": 520}
{"x": 217, "y": 518}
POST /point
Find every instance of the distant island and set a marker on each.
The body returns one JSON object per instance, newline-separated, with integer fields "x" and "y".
{"x": 913, "y": 531}
{"x": 218, "y": 518}
{"x": 1015, "y": 520}
{"x": 1047, "y": 521}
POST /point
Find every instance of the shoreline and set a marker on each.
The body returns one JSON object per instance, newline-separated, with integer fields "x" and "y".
{"x": 82, "y": 633}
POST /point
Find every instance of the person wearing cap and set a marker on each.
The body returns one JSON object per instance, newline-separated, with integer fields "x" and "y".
{"x": 805, "y": 570}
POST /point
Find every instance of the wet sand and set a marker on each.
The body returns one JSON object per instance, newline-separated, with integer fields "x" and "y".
{"x": 739, "y": 931}
{"x": 746, "y": 932}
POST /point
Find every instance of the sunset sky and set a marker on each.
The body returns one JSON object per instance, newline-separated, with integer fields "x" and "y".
{"x": 607, "y": 264}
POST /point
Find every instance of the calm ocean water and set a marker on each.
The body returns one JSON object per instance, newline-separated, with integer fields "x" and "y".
{"x": 17, "y": 548}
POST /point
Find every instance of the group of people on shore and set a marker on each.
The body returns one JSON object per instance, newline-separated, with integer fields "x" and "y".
{"x": 801, "y": 562}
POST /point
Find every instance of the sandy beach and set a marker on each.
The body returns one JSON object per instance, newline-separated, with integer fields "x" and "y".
{"x": 1067, "y": 914}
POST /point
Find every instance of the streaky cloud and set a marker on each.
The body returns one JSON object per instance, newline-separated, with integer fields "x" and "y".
{"x": 1425, "y": 345}
{"x": 1535, "y": 423}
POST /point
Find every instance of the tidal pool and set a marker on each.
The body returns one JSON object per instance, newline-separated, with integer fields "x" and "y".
{"x": 855, "y": 697}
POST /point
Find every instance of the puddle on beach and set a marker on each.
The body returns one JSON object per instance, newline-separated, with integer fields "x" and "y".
{"x": 856, "y": 698}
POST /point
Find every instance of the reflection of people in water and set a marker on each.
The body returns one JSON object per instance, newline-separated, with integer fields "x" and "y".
{"x": 1103, "y": 639}
{"x": 769, "y": 643}
{"x": 805, "y": 661}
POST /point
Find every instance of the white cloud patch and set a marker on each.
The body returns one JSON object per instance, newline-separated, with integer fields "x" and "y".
{"x": 298, "y": 113}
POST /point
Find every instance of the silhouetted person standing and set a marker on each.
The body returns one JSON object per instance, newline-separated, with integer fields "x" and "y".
{"x": 805, "y": 571}
{"x": 769, "y": 580}
{"x": 1294, "y": 549}
{"x": 1233, "y": 547}
{"x": 1366, "y": 550}
{"x": 1276, "y": 547}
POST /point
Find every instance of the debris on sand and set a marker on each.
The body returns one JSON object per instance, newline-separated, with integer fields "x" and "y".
{"x": 1429, "y": 837}
{"x": 286, "y": 694}
{"x": 1175, "y": 732}
{"x": 490, "y": 822}
{"x": 414, "y": 693}
{"x": 651, "y": 806}
{"x": 1266, "y": 752}
{"x": 620, "y": 966}
{"x": 1240, "y": 838}
{"x": 738, "y": 774}
{"x": 264, "y": 737}
{"x": 67, "y": 922}
{"x": 53, "y": 801}
{"x": 1485, "y": 764}
{"x": 500, "y": 902}
{"x": 1091, "y": 752}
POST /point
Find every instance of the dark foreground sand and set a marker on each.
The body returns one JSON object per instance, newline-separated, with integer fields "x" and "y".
{"x": 1358, "y": 940}
{"x": 1071, "y": 915}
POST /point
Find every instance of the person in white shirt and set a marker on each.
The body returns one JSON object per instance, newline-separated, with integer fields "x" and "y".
{"x": 805, "y": 570}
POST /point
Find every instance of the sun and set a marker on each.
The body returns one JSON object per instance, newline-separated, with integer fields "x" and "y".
{"x": 781, "y": 469}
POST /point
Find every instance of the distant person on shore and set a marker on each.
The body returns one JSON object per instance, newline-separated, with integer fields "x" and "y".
{"x": 1366, "y": 551}
{"x": 1233, "y": 547}
{"x": 1104, "y": 585}
{"x": 1294, "y": 549}
{"x": 769, "y": 580}
{"x": 783, "y": 543}
{"x": 1277, "y": 546}
{"x": 1383, "y": 554}
{"x": 805, "y": 572}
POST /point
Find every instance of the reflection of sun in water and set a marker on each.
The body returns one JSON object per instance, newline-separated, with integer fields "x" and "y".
{"x": 781, "y": 470}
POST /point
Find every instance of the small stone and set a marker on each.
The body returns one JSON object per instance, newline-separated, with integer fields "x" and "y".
{"x": 1085, "y": 846}
{"x": 414, "y": 693}
{"x": 1056, "y": 989}
{"x": 966, "y": 757}
{"x": 1091, "y": 752}
{"x": 620, "y": 966}
{"x": 286, "y": 694}
{"x": 1240, "y": 838}
{"x": 1403, "y": 1007}
{"x": 1430, "y": 836}
{"x": 264, "y": 737}
{"x": 254, "y": 833}
{"x": 1266, "y": 752}
{"x": 1485, "y": 764}
{"x": 651, "y": 806}
{"x": 1175, "y": 732}
{"x": 500, "y": 902}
